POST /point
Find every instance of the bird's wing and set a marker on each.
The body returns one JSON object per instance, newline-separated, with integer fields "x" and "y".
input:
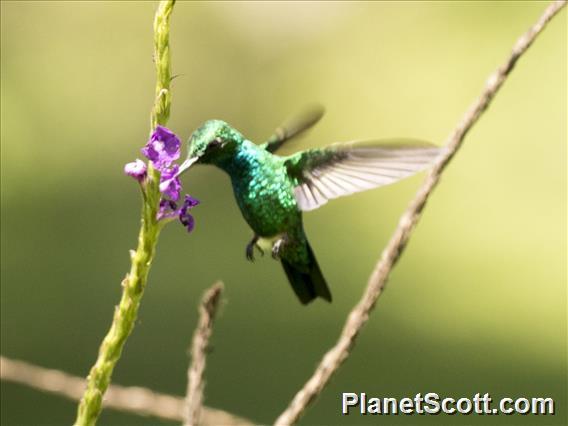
{"x": 293, "y": 126}
{"x": 342, "y": 169}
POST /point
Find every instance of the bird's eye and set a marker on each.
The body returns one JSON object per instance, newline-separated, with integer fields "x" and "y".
{"x": 215, "y": 143}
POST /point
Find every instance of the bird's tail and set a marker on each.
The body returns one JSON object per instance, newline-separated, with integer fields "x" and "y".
{"x": 308, "y": 283}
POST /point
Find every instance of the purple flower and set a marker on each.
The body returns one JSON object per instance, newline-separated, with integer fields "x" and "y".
{"x": 170, "y": 184}
{"x": 184, "y": 217}
{"x": 163, "y": 148}
{"x": 167, "y": 210}
{"x": 136, "y": 169}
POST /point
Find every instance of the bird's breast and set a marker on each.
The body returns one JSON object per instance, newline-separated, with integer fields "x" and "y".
{"x": 265, "y": 196}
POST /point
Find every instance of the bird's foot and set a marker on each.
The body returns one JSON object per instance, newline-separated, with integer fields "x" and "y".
{"x": 250, "y": 248}
{"x": 277, "y": 247}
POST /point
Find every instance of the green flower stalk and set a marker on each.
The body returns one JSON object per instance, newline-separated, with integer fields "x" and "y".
{"x": 135, "y": 281}
{"x": 161, "y": 111}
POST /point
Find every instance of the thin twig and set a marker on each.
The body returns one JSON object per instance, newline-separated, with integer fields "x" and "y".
{"x": 132, "y": 399}
{"x": 199, "y": 344}
{"x": 359, "y": 315}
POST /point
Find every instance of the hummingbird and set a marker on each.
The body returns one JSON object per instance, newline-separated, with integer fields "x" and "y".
{"x": 273, "y": 191}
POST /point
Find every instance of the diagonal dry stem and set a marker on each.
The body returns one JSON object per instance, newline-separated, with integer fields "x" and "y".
{"x": 199, "y": 344}
{"x": 359, "y": 315}
{"x": 131, "y": 399}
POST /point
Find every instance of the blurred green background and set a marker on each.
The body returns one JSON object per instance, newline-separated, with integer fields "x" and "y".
{"x": 478, "y": 301}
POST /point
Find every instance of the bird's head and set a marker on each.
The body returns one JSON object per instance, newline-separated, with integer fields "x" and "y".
{"x": 212, "y": 143}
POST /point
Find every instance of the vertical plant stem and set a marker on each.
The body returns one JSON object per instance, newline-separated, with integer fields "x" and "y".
{"x": 161, "y": 110}
{"x": 133, "y": 285}
{"x": 124, "y": 318}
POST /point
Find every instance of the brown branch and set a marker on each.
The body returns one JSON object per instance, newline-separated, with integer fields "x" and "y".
{"x": 359, "y": 315}
{"x": 132, "y": 399}
{"x": 199, "y": 344}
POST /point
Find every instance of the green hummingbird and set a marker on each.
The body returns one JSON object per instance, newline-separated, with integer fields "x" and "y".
{"x": 273, "y": 191}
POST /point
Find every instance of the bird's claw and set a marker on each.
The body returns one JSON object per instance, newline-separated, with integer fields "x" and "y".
{"x": 250, "y": 249}
{"x": 250, "y": 252}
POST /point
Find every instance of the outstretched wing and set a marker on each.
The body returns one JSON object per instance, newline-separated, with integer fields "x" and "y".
{"x": 342, "y": 169}
{"x": 293, "y": 126}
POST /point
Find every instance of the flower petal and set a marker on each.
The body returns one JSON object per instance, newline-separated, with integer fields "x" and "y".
{"x": 136, "y": 169}
{"x": 163, "y": 148}
{"x": 167, "y": 210}
{"x": 185, "y": 218}
{"x": 170, "y": 184}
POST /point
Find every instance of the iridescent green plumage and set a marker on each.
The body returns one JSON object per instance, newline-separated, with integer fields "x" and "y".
{"x": 272, "y": 191}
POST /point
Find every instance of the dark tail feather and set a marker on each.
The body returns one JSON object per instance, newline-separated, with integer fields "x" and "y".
{"x": 307, "y": 284}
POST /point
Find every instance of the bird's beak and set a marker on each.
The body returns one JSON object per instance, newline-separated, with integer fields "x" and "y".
{"x": 186, "y": 165}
